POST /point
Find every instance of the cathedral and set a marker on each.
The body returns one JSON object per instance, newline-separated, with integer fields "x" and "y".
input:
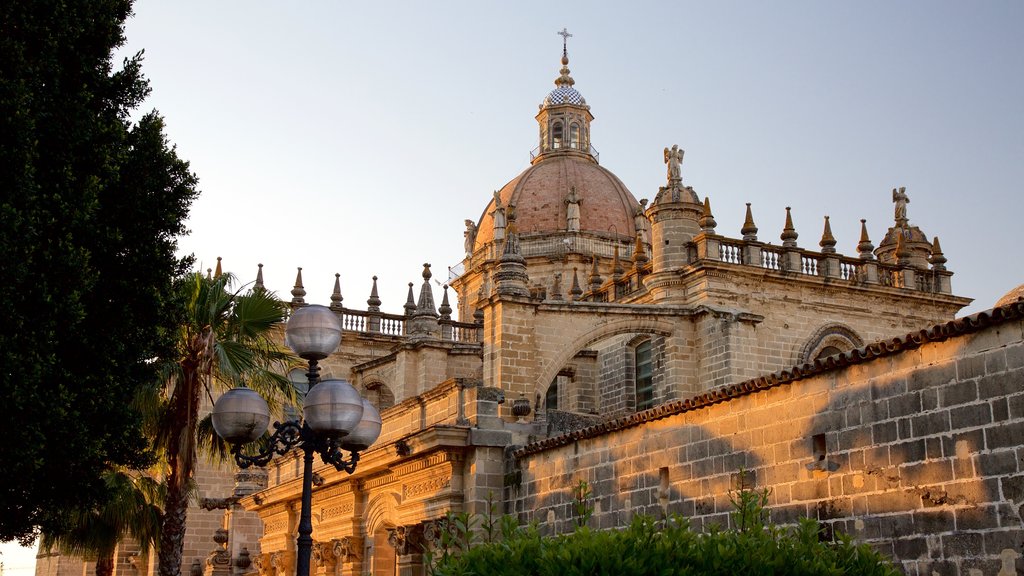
{"x": 629, "y": 344}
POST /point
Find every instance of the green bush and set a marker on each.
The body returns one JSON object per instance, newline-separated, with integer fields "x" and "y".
{"x": 664, "y": 548}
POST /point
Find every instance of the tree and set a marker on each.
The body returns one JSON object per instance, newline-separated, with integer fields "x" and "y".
{"x": 130, "y": 509}
{"x": 226, "y": 339}
{"x": 91, "y": 206}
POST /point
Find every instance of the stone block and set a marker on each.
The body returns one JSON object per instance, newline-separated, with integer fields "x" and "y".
{"x": 959, "y": 392}
{"x": 995, "y": 541}
{"x": 935, "y": 521}
{"x": 997, "y": 463}
{"x": 929, "y": 424}
{"x": 1002, "y": 384}
{"x": 970, "y": 367}
{"x": 904, "y": 405}
{"x": 934, "y": 376}
{"x": 1004, "y": 435}
{"x": 907, "y": 452}
{"x": 970, "y": 416}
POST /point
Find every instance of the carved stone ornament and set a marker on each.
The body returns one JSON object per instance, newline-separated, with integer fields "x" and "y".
{"x": 259, "y": 565}
{"x": 276, "y": 562}
{"x": 344, "y": 549}
{"x": 319, "y": 555}
{"x": 432, "y": 530}
{"x": 406, "y": 539}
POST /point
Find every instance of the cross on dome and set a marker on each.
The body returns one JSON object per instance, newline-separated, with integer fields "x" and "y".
{"x": 565, "y": 40}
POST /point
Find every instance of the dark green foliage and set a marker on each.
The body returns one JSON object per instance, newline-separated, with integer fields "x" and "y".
{"x": 669, "y": 548}
{"x": 90, "y": 207}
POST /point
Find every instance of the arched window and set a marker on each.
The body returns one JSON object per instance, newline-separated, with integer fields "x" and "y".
{"x": 829, "y": 340}
{"x": 827, "y": 351}
{"x": 556, "y": 135}
{"x": 379, "y": 395}
{"x": 551, "y": 397}
{"x": 574, "y": 136}
{"x": 644, "y": 375}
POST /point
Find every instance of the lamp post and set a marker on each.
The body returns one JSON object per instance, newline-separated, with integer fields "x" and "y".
{"x": 335, "y": 419}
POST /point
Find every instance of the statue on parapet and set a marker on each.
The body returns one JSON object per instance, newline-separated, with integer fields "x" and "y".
{"x": 572, "y": 210}
{"x": 640, "y": 221}
{"x": 470, "y": 235}
{"x": 900, "y": 198}
{"x": 674, "y": 160}
{"x": 498, "y": 215}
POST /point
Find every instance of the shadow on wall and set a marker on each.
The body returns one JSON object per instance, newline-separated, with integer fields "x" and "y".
{"x": 633, "y": 476}
{"x": 924, "y": 464}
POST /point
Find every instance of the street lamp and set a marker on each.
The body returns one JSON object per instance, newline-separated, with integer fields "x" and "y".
{"x": 335, "y": 419}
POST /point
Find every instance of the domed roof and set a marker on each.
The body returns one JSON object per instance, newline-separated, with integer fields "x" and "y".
{"x": 564, "y": 95}
{"x": 539, "y": 192}
{"x": 1011, "y": 296}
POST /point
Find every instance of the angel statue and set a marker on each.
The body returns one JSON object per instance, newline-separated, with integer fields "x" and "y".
{"x": 674, "y": 160}
{"x": 900, "y": 198}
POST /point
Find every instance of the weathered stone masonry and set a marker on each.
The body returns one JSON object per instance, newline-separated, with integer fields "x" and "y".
{"x": 922, "y": 458}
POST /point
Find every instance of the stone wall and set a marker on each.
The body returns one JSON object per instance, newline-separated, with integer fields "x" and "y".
{"x": 913, "y": 446}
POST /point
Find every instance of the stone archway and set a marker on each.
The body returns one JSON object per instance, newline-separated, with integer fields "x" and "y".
{"x": 636, "y": 325}
{"x": 379, "y": 556}
{"x": 829, "y": 339}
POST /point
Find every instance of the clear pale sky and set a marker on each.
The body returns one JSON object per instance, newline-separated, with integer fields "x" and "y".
{"x": 355, "y": 137}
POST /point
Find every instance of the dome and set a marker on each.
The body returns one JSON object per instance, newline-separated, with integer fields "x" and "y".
{"x": 1011, "y": 296}
{"x": 564, "y": 95}
{"x": 538, "y": 194}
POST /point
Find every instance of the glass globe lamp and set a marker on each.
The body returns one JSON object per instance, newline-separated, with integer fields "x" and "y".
{"x": 366, "y": 432}
{"x": 313, "y": 332}
{"x": 333, "y": 408}
{"x": 240, "y": 415}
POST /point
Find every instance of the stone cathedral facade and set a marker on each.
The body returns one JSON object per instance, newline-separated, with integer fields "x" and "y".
{"x": 633, "y": 345}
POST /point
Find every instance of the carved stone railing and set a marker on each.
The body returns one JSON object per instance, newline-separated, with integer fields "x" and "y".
{"x": 367, "y": 322}
{"x": 856, "y": 271}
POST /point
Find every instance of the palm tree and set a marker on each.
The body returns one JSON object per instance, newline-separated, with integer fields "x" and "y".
{"x": 131, "y": 509}
{"x": 225, "y": 338}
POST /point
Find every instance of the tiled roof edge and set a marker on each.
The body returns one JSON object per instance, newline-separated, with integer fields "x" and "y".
{"x": 937, "y": 333}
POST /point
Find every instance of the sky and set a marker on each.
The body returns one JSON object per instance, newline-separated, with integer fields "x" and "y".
{"x": 355, "y": 137}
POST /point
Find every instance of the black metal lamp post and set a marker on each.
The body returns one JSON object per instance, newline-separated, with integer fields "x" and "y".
{"x": 335, "y": 419}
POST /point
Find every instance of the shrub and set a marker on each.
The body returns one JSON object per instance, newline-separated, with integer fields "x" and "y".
{"x": 667, "y": 548}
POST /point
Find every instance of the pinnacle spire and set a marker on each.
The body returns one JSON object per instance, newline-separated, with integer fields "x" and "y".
{"x": 217, "y": 273}
{"x": 707, "y": 220}
{"x": 639, "y": 255}
{"x": 749, "y": 229}
{"x": 564, "y": 79}
{"x": 937, "y": 258}
{"x": 595, "y": 276}
{"x": 425, "y": 306}
{"x": 865, "y": 248}
{"x": 789, "y": 234}
{"x": 410, "y": 302}
{"x": 298, "y": 292}
{"x": 575, "y": 291}
{"x": 374, "y": 300}
{"x": 446, "y": 308}
{"x": 617, "y": 269}
{"x": 259, "y": 278}
{"x": 828, "y": 241}
{"x": 336, "y": 295}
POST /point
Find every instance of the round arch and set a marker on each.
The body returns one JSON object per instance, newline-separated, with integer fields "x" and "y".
{"x": 830, "y": 336}
{"x": 595, "y": 334}
{"x": 380, "y": 511}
